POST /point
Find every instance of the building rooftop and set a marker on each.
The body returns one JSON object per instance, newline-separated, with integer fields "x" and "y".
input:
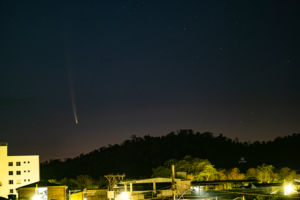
{"x": 222, "y": 182}
{"x": 156, "y": 180}
{"x": 41, "y": 184}
{"x": 3, "y": 144}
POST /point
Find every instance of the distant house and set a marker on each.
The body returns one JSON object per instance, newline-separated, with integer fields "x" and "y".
{"x": 16, "y": 171}
{"x": 44, "y": 190}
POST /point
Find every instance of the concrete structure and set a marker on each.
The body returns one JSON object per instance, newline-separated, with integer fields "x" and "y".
{"x": 159, "y": 187}
{"x": 16, "y": 171}
{"x": 44, "y": 190}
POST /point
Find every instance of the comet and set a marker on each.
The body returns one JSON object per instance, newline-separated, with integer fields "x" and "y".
{"x": 68, "y": 55}
{"x": 74, "y": 106}
{"x": 72, "y": 97}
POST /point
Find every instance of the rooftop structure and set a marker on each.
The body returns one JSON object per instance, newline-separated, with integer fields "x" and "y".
{"x": 155, "y": 187}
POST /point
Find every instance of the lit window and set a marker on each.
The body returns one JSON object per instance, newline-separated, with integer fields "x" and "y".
{"x": 10, "y": 173}
{"x": 24, "y": 180}
{"x": 18, "y": 172}
{"x": 10, "y": 164}
{"x": 11, "y": 182}
{"x": 28, "y": 180}
{"x": 11, "y": 190}
{"x": 18, "y": 181}
{"x": 18, "y": 163}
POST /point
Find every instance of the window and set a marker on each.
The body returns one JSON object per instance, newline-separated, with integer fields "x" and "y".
{"x": 11, "y": 190}
{"x": 10, "y": 164}
{"x": 24, "y": 180}
{"x": 18, "y": 172}
{"x": 10, "y": 173}
{"x": 18, "y": 181}
{"x": 11, "y": 182}
{"x": 18, "y": 163}
{"x": 24, "y": 171}
{"x": 28, "y": 180}
{"x": 28, "y": 162}
{"x": 24, "y": 162}
{"x": 28, "y": 171}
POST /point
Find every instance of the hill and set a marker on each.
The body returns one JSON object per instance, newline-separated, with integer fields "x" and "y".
{"x": 138, "y": 156}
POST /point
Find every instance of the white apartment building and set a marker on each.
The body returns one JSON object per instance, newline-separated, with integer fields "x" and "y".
{"x": 17, "y": 171}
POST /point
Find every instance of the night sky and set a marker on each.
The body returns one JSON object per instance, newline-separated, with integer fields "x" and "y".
{"x": 145, "y": 67}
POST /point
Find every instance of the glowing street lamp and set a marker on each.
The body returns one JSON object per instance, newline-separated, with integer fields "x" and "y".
{"x": 124, "y": 196}
{"x": 288, "y": 189}
{"x": 36, "y": 197}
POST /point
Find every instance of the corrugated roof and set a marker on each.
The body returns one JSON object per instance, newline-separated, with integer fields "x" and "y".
{"x": 151, "y": 180}
{"x": 41, "y": 184}
{"x": 222, "y": 182}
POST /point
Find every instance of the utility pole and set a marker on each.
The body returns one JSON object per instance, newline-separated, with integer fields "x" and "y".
{"x": 112, "y": 181}
{"x": 173, "y": 182}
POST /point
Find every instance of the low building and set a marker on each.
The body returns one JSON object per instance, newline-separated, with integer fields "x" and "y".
{"x": 99, "y": 194}
{"x": 16, "y": 171}
{"x": 44, "y": 190}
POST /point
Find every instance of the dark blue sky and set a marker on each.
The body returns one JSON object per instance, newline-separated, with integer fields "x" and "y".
{"x": 145, "y": 67}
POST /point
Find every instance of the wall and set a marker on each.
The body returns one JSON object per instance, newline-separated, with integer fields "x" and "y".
{"x": 165, "y": 193}
{"x": 91, "y": 195}
{"x": 183, "y": 187}
{"x": 26, "y": 193}
{"x": 77, "y": 196}
{"x": 57, "y": 193}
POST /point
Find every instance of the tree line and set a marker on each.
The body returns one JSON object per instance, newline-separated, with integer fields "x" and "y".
{"x": 137, "y": 156}
{"x": 202, "y": 170}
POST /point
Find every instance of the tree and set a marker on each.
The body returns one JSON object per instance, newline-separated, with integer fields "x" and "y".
{"x": 161, "y": 171}
{"x": 265, "y": 173}
{"x": 188, "y": 164}
{"x": 286, "y": 173}
{"x": 85, "y": 181}
{"x": 207, "y": 172}
{"x": 191, "y": 165}
{"x": 102, "y": 182}
{"x": 251, "y": 173}
{"x": 222, "y": 174}
{"x": 53, "y": 181}
{"x": 234, "y": 174}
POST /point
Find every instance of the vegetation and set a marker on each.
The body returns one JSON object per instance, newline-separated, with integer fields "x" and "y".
{"x": 138, "y": 156}
{"x": 193, "y": 166}
{"x": 81, "y": 182}
{"x": 265, "y": 198}
{"x": 202, "y": 170}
